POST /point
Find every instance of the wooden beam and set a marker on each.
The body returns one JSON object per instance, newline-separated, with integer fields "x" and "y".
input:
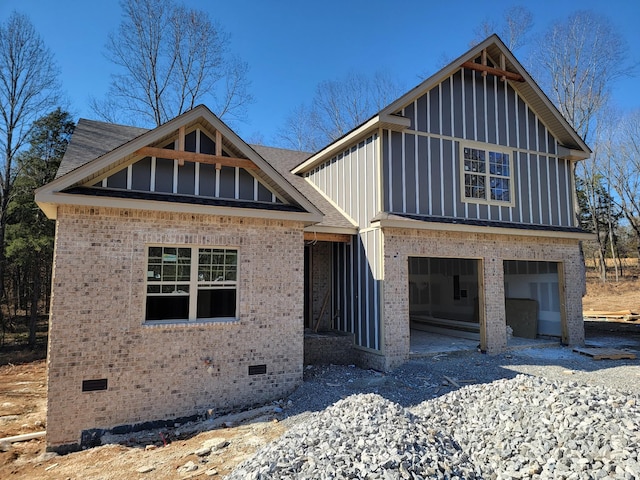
{"x": 484, "y": 61}
{"x": 197, "y": 157}
{"x": 493, "y": 71}
{"x": 218, "y": 143}
{"x": 327, "y": 237}
{"x": 218, "y": 148}
{"x": 181, "y": 145}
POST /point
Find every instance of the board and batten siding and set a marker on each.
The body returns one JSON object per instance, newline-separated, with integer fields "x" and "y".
{"x": 421, "y": 166}
{"x": 351, "y": 180}
{"x": 357, "y": 282}
{"x": 163, "y": 175}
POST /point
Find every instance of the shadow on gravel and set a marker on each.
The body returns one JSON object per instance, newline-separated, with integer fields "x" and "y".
{"x": 430, "y": 377}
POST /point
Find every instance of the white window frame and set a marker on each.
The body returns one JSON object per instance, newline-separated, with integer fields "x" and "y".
{"x": 487, "y": 148}
{"x": 195, "y": 284}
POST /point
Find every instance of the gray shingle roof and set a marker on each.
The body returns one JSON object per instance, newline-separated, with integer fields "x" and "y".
{"x": 92, "y": 139}
{"x": 283, "y": 161}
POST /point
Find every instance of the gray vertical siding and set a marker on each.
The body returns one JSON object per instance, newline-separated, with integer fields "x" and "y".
{"x": 351, "y": 178}
{"x": 421, "y": 166}
{"x": 356, "y": 287}
{"x": 165, "y": 176}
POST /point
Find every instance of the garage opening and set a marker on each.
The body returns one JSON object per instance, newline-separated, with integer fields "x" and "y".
{"x": 532, "y": 298}
{"x": 445, "y": 296}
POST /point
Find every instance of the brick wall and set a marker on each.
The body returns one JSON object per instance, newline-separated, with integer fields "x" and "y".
{"x": 492, "y": 250}
{"x": 159, "y": 372}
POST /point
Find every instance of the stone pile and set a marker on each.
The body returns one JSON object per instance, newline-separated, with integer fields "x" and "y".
{"x": 525, "y": 427}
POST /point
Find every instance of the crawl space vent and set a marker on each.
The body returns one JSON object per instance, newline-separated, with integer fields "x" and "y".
{"x": 257, "y": 369}
{"x": 94, "y": 385}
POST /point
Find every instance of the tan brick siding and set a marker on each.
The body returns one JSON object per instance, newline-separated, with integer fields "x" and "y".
{"x": 159, "y": 372}
{"x": 492, "y": 250}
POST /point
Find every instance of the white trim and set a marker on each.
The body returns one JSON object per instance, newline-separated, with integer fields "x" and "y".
{"x": 486, "y": 147}
{"x": 475, "y": 114}
{"x": 49, "y": 201}
{"x": 558, "y": 200}
{"x": 390, "y": 170}
{"x": 129, "y": 176}
{"x": 464, "y": 104}
{"x": 395, "y": 222}
{"x": 441, "y": 177}
{"x": 453, "y": 176}
{"x": 404, "y": 172}
{"x": 486, "y": 113}
{"x": 194, "y": 284}
{"x": 236, "y": 183}
{"x": 152, "y": 180}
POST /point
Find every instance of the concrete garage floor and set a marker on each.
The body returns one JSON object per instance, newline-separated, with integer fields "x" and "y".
{"x": 606, "y": 334}
{"x": 424, "y": 344}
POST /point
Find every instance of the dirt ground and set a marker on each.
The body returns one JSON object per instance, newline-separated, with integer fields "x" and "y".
{"x": 23, "y": 410}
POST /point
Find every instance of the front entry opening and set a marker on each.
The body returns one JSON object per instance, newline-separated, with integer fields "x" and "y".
{"x": 532, "y": 298}
{"x": 444, "y": 296}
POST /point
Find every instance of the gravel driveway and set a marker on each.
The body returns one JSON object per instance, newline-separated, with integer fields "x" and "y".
{"x": 535, "y": 413}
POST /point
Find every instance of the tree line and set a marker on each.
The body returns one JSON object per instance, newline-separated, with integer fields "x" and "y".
{"x": 168, "y": 58}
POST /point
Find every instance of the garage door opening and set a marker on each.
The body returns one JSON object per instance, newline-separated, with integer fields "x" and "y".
{"x": 532, "y": 298}
{"x": 445, "y": 296}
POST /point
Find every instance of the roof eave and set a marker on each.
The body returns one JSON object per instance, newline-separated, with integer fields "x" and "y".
{"x": 382, "y": 120}
{"x": 394, "y": 222}
{"x": 49, "y": 202}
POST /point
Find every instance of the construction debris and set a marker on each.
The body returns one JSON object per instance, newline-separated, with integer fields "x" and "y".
{"x": 626, "y": 315}
{"x": 605, "y": 353}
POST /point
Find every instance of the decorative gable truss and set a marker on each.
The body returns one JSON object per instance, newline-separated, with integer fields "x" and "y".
{"x": 192, "y": 162}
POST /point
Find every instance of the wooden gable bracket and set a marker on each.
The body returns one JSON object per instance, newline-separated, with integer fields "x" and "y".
{"x": 181, "y": 145}
{"x": 501, "y": 72}
{"x": 197, "y": 157}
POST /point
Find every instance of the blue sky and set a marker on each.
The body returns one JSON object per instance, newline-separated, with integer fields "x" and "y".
{"x": 292, "y": 45}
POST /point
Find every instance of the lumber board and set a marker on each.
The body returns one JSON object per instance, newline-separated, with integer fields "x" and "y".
{"x": 197, "y": 157}
{"x": 605, "y": 353}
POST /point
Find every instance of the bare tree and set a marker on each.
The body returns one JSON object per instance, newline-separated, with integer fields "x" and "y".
{"x": 298, "y": 131}
{"x": 624, "y": 153}
{"x": 28, "y": 89}
{"x": 514, "y": 28}
{"x": 337, "y": 107}
{"x": 580, "y": 59}
{"x": 171, "y": 58}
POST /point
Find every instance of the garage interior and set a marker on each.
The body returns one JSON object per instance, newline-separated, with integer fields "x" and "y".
{"x": 444, "y": 296}
{"x": 532, "y": 298}
{"x": 445, "y": 303}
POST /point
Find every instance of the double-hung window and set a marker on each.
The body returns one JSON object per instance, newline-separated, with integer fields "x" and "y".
{"x": 191, "y": 283}
{"x": 487, "y": 174}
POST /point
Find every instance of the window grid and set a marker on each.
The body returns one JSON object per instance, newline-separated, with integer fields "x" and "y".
{"x": 193, "y": 280}
{"x": 486, "y": 175}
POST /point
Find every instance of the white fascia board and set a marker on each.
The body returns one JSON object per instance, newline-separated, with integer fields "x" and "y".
{"x": 49, "y": 202}
{"x": 459, "y": 227}
{"x": 330, "y": 229}
{"x": 384, "y": 120}
{"x": 570, "y": 154}
{"x": 338, "y": 145}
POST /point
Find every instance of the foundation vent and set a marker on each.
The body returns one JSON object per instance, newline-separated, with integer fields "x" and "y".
{"x": 94, "y": 385}
{"x": 257, "y": 369}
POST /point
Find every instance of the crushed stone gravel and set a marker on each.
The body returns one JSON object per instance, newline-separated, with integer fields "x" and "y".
{"x": 531, "y": 413}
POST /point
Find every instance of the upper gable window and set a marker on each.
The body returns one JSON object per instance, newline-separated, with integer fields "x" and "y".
{"x": 487, "y": 174}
